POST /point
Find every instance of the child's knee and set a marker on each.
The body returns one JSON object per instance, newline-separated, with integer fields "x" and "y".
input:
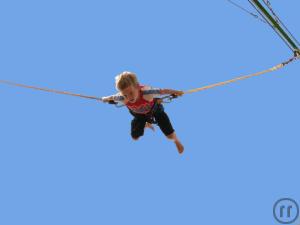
{"x": 171, "y": 136}
{"x": 135, "y": 138}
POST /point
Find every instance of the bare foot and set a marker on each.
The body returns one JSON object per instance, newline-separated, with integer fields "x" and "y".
{"x": 179, "y": 146}
{"x": 149, "y": 125}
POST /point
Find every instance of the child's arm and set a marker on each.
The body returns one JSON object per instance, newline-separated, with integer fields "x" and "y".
{"x": 150, "y": 92}
{"x": 107, "y": 99}
{"x": 171, "y": 92}
{"x": 115, "y": 98}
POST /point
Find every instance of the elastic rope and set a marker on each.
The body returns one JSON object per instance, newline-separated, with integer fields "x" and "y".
{"x": 49, "y": 90}
{"x": 277, "y": 67}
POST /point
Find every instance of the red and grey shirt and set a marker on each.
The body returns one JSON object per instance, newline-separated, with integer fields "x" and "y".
{"x": 145, "y": 102}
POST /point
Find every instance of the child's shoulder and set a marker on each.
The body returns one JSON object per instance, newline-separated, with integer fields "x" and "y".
{"x": 147, "y": 89}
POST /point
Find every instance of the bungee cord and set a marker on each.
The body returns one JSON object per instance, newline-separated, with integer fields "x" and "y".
{"x": 268, "y": 17}
{"x": 48, "y": 90}
{"x": 168, "y": 98}
{"x": 277, "y": 67}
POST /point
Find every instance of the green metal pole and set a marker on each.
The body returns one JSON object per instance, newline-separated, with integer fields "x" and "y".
{"x": 275, "y": 25}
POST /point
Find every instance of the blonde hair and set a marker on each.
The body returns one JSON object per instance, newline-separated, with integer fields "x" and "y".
{"x": 126, "y": 79}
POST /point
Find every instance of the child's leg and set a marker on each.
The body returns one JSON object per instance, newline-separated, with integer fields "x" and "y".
{"x": 174, "y": 138}
{"x": 137, "y": 128}
{"x": 166, "y": 127}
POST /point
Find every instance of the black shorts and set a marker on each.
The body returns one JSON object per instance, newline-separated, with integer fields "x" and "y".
{"x": 162, "y": 119}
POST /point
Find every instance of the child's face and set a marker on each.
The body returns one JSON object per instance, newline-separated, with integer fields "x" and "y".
{"x": 131, "y": 93}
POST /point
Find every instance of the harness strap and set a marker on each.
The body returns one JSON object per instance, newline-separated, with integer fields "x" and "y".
{"x": 150, "y": 115}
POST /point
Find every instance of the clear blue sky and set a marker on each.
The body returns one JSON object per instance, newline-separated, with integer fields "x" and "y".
{"x": 66, "y": 160}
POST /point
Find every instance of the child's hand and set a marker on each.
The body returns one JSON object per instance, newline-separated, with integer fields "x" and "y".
{"x": 102, "y": 99}
{"x": 105, "y": 99}
{"x": 178, "y": 93}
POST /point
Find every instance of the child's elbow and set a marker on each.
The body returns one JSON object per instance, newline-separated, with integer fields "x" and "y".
{"x": 163, "y": 91}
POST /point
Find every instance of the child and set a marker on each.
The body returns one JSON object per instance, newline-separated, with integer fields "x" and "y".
{"x": 143, "y": 105}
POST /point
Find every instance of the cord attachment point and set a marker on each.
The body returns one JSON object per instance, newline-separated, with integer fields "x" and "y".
{"x": 168, "y": 98}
